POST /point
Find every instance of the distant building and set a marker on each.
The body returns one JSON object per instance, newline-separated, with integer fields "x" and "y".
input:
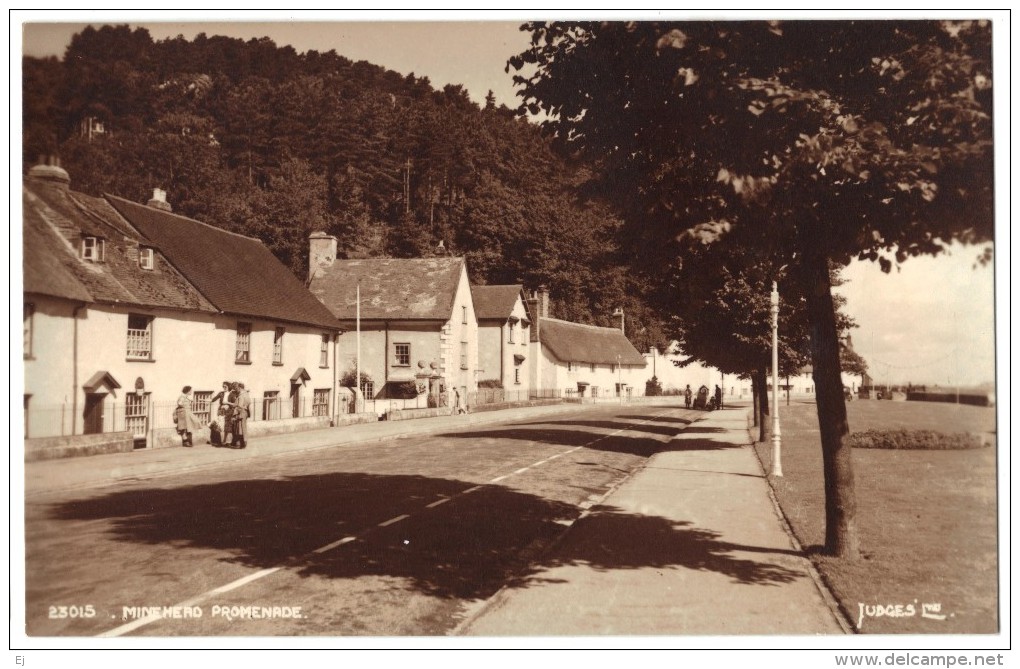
{"x": 126, "y": 303}
{"x": 588, "y": 360}
{"x": 504, "y": 336}
{"x": 417, "y": 329}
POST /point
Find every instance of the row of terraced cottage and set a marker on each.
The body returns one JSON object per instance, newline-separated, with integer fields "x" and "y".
{"x": 125, "y": 304}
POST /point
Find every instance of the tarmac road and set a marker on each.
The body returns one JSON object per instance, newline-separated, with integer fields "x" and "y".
{"x": 405, "y": 536}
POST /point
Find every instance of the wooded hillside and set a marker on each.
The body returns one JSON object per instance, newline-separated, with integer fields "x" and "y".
{"x": 275, "y": 144}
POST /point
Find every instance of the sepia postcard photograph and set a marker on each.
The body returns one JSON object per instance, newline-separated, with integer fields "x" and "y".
{"x": 453, "y": 330}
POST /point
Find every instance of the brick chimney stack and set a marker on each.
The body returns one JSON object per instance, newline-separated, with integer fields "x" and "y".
{"x": 321, "y": 252}
{"x": 49, "y": 169}
{"x": 619, "y": 312}
{"x": 543, "y": 301}
{"x": 158, "y": 200}
{"x": 538, "y": 307}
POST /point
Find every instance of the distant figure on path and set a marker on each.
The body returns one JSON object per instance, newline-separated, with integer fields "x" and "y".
{"x": 718, "y": 397}
{"x": 687, "y": 396}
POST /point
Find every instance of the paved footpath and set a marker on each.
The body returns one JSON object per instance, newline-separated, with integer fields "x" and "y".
{"x": 689, "y": 545}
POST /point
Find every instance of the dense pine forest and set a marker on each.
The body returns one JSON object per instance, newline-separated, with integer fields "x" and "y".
{"x": 276, "y": 144}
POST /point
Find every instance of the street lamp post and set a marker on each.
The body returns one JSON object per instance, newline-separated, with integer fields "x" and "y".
{"x": 777, "y": 441}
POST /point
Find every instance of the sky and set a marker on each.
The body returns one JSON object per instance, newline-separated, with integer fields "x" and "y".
{"x": 930, "y": 321}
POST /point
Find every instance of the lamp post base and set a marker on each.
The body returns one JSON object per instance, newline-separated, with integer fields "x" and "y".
{"x": 777, "y": 450}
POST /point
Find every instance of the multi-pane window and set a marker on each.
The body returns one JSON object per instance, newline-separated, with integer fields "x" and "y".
{"x": 271, "y": 404}
{"x": 510, "y": 327}
{"x": 278, "y": 346}
{"x": 136, "y": 414}
{"x": 592, "y": 367}
{"x": 612, "y": 368}
{"x": 402, "y": 355}
{"x": 146, "y": 258}
{"x": 368, "y": 389}
{"x": 570, "y": 366}
{"x": 242, "y": 348}
{"x": 93, "y": 249}
{"x": 29, "y": 325}
{"x": 139, "y": 337}
{"x": 320, "y": 402}
{"x": 200, "y": 406}
{"x": 324, "y": 351}
{"x": 463, "y": 355}
{"x": 463, "y": 318}
{"x": 517, "y": 375}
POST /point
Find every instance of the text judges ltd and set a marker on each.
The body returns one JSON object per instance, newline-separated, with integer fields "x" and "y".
{"x": 216, "y": 611}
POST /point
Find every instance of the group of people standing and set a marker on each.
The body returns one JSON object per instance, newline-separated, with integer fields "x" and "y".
{"x": 234, "y": 407}
{"x": 702, "y": 401}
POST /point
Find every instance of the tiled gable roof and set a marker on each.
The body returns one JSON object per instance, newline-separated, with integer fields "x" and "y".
{"x": 574, "y": 342}
{"x": 391, "y": 288}
{"x": 55, "y": 220}
{"x": 496, "y": 302}
{"x": 237, "y": 274}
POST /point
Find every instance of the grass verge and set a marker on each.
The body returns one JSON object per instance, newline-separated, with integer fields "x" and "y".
{"x": 927, "y": 519}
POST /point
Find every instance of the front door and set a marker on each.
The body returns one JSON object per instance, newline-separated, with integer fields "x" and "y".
{"x": 295, "y": 400}
{"x": 94, "y": 413}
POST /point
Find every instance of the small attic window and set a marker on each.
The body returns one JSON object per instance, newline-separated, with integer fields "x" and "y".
{"x": 93, "y": 249}
{"x": 146, "y": 257}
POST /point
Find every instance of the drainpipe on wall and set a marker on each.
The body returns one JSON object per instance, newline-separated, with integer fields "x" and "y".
{"x": 74, "y": 371}
{"x": 336, "y": 393}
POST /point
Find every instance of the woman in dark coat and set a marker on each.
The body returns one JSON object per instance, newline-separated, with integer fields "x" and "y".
{"x": 224, "y": 409}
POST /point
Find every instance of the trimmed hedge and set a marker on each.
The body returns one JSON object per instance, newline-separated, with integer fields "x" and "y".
{"x": 916, "y": 439}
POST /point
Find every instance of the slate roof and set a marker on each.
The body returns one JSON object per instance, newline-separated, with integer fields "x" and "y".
{"x": 575, "y": 342}
{"x": 496, "y": 302}
{"x": 237, "y": 274}
{"x": 391, "y": 288}
{"x": 54, "y": 221}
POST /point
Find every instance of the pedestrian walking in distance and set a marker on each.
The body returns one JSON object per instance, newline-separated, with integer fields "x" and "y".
{"x": 687, "y": 396}
{"x": 718, "y": 397}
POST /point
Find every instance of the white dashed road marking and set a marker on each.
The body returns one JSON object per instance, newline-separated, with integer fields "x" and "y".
{"x": 141, "y": 622}
{"x": 391, "y": 521}
{"x": 335, "y": 544}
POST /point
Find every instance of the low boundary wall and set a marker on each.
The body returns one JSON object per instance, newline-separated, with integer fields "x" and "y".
{"x": 53, "y": 448}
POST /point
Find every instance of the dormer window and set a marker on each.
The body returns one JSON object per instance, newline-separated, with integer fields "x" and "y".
{"x": 146, "y": 258}
{"x": 93, "y": 249}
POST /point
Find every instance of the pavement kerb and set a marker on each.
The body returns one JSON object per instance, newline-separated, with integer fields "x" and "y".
{"x": 478, "y": 610}
{"x": 823, "y": 589}
{"x": 414, "y": 427}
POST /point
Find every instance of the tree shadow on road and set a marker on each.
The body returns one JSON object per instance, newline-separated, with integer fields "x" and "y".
{"x": 661, "y": 419}
{"x": 664, "y": 430}
{"x": 465, "y": 548}
{"x": 617, "y": 443}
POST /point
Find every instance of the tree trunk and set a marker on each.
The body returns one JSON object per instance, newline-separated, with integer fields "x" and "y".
{"x": 841, "y": 537}
{"x": 765, "y": 428}
{"x": 756, "y": 410}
